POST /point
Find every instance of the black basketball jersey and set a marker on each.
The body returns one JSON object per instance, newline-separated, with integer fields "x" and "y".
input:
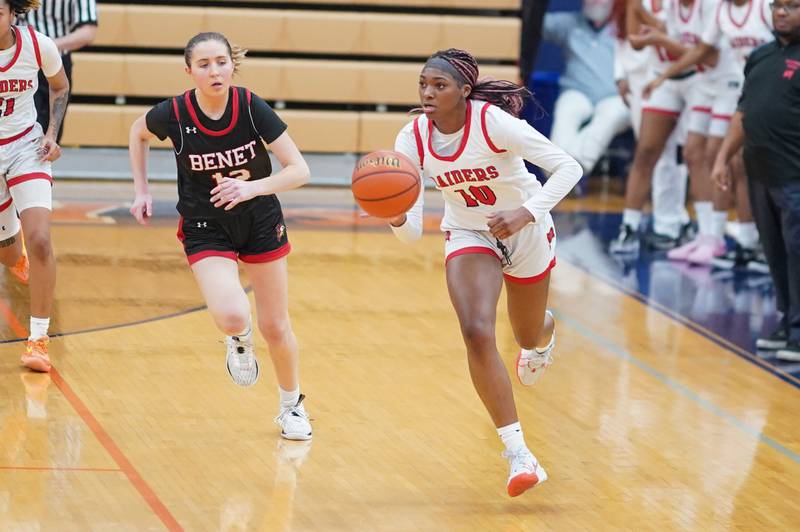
{"x": 207, "y": 150}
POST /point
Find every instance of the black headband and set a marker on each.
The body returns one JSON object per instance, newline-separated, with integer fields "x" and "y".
{"x": 440, "y": 63}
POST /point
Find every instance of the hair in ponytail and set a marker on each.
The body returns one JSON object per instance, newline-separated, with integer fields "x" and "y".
{"x": 506, "y": 95}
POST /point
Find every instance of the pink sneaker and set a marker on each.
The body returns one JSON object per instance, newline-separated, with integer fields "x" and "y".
{"x": 709, "y": 248}
{"x": 682, "y": 252}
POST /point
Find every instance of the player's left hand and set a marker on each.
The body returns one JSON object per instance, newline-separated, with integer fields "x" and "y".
{"x": 49, "y": 150}
{"x": 231, "y": 192}
{"x": 503, "y": 224}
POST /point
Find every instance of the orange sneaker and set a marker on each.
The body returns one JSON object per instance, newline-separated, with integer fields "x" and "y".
{"x": 35, "y": 356}
{"x": 21, "y": 269}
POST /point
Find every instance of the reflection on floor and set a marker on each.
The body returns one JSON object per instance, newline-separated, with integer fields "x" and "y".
{"x": 736, "y": 306}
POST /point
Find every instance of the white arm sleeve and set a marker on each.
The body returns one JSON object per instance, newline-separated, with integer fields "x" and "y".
{"x": 619, "y": 68}
{"x": 520, "y": 138}
{"x": 51, "y": 59}
{"x": 406, "y": 144}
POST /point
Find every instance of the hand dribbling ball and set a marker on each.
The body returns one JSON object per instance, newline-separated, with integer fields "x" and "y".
{"x": 385, "y": 183}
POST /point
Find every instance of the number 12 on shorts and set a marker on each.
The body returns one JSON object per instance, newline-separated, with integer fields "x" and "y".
{"x": 474, "y": 196}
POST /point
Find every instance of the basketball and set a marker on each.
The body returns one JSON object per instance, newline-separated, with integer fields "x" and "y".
{"x": 385, "y": 183}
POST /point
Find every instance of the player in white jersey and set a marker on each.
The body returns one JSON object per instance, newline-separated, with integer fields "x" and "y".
{"x": 738, "y": 27}
{"x": 497, "y": 225}
{"x": 25, "y": 156}
{"x": 681, "y": 94}
{"x": 633, "y": 69}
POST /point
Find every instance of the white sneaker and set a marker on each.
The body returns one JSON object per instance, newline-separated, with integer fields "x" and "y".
{"x": 241, "y": 361}
{"x": 294, "y": 422}
{"x": 531, "y": 363}
{"x": 525, "y": 473}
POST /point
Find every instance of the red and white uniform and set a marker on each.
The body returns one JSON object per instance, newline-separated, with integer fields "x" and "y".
{"x": 685, "y": 24}
{"x": 26, "y": 180}
{"x": 480, "y": 170}
{"x": 736, "y": 31}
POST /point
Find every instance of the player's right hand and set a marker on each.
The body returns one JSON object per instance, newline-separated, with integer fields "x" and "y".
{"x": 397, "y": 221}
{"x": 721, "y": 176}
{"x": 624, "y": 90}
{"x": 142, "y": 208}
{"x": 653, "y": 85}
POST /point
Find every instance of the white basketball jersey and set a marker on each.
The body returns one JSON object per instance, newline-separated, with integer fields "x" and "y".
{"x": 738, "y": 30}
{"x": 19, "y": 79}
{"x": 479, "y": 178}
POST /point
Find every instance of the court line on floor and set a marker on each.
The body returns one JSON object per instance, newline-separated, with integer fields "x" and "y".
{"x": 668, "y": 381}
{"x": 34, "y": 468}
{"x": 100, "y": 433}
{"x": 694, "y": 326}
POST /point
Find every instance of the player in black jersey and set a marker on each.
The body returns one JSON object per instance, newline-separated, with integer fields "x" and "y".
{"x": 229, "y": 210}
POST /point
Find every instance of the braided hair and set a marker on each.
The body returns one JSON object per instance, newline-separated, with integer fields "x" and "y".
{"x": 506, "y": 95}
{"x": 237, "y": 53}
{"x": 20, "y": 7}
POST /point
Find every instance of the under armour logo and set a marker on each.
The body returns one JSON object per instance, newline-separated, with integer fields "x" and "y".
{"x": 191, "y": 129}
{"x": 202, "y": 224}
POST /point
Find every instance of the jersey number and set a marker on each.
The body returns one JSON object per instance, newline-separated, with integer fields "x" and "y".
{"x": 243, "y": 174}
{"x": 9, "y": 106}
{"x": 478, "y": 195}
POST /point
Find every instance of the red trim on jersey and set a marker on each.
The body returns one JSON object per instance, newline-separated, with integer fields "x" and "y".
{"x": 234, "y": 115}
{"x": 486, "y": 131}
{"x": 472, "y": 250}
{"x": 701, "y": 109}
{"x": 6, "y": 205}
{"x": 16, "y": 180}
{"x": 661, "y": 111}
{"x": 175, "y": 108}
{"x": 200, "y": 255}
{"x": 535, "y": 278}
{"x": 9, "y": 140}
{"x": 180, "y": 234}
{"x": 761, "y": 12}
{"x": 464, "y": 138}
{"x": 35, "y": 46}
{"x": 655, "y": 9}
{"x": 691, "y": 11}
{"x": 721, "y": 117}
{"x": 269, "y": 256}
{"x": 249, "y": 95}
{"x": 16, "y": 52}
{"x": 747, "y": 15}
{"x": 418, "y": 138}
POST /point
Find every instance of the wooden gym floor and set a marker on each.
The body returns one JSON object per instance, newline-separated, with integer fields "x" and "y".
{"x": 643, "y": 422}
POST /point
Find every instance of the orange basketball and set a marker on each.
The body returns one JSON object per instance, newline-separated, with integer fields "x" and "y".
{"x": 385, "y": 183}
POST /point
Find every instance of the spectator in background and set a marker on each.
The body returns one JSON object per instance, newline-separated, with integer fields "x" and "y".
{"x": 767, "y": 123}
{"x": 589, "y": 112}
{"x": 72, "y": 24}
{"x": 532, "y": 15}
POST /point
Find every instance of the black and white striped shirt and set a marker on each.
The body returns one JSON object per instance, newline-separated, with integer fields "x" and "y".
{"x": 56, "y": 18}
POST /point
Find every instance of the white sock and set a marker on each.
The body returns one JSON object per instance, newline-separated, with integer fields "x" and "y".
{"x": 39, "y": 327}
{"x": 748, "y": 235}
{"x": 718, "y": 221}
{"x": 512, "y": 436}
{"x": 703, "y": 210}
{"x": 289, "y": 398}
{"x": 632, "y": 217}
{"x": 246, "y": 335}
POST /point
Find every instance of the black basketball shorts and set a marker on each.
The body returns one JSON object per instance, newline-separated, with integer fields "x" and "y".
{"x": 257, "y": 235}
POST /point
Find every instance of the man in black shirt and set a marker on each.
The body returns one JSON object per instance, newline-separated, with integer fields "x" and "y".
{"x": 767, "y": 123}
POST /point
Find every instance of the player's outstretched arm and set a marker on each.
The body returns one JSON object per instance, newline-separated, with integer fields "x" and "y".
{"x": 138, "y": 149}
{"x": 59, "y": 96}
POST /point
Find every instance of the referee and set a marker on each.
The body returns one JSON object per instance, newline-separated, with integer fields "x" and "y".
{"x": 72, "y": 24}
{"x": 767, "y": 123}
